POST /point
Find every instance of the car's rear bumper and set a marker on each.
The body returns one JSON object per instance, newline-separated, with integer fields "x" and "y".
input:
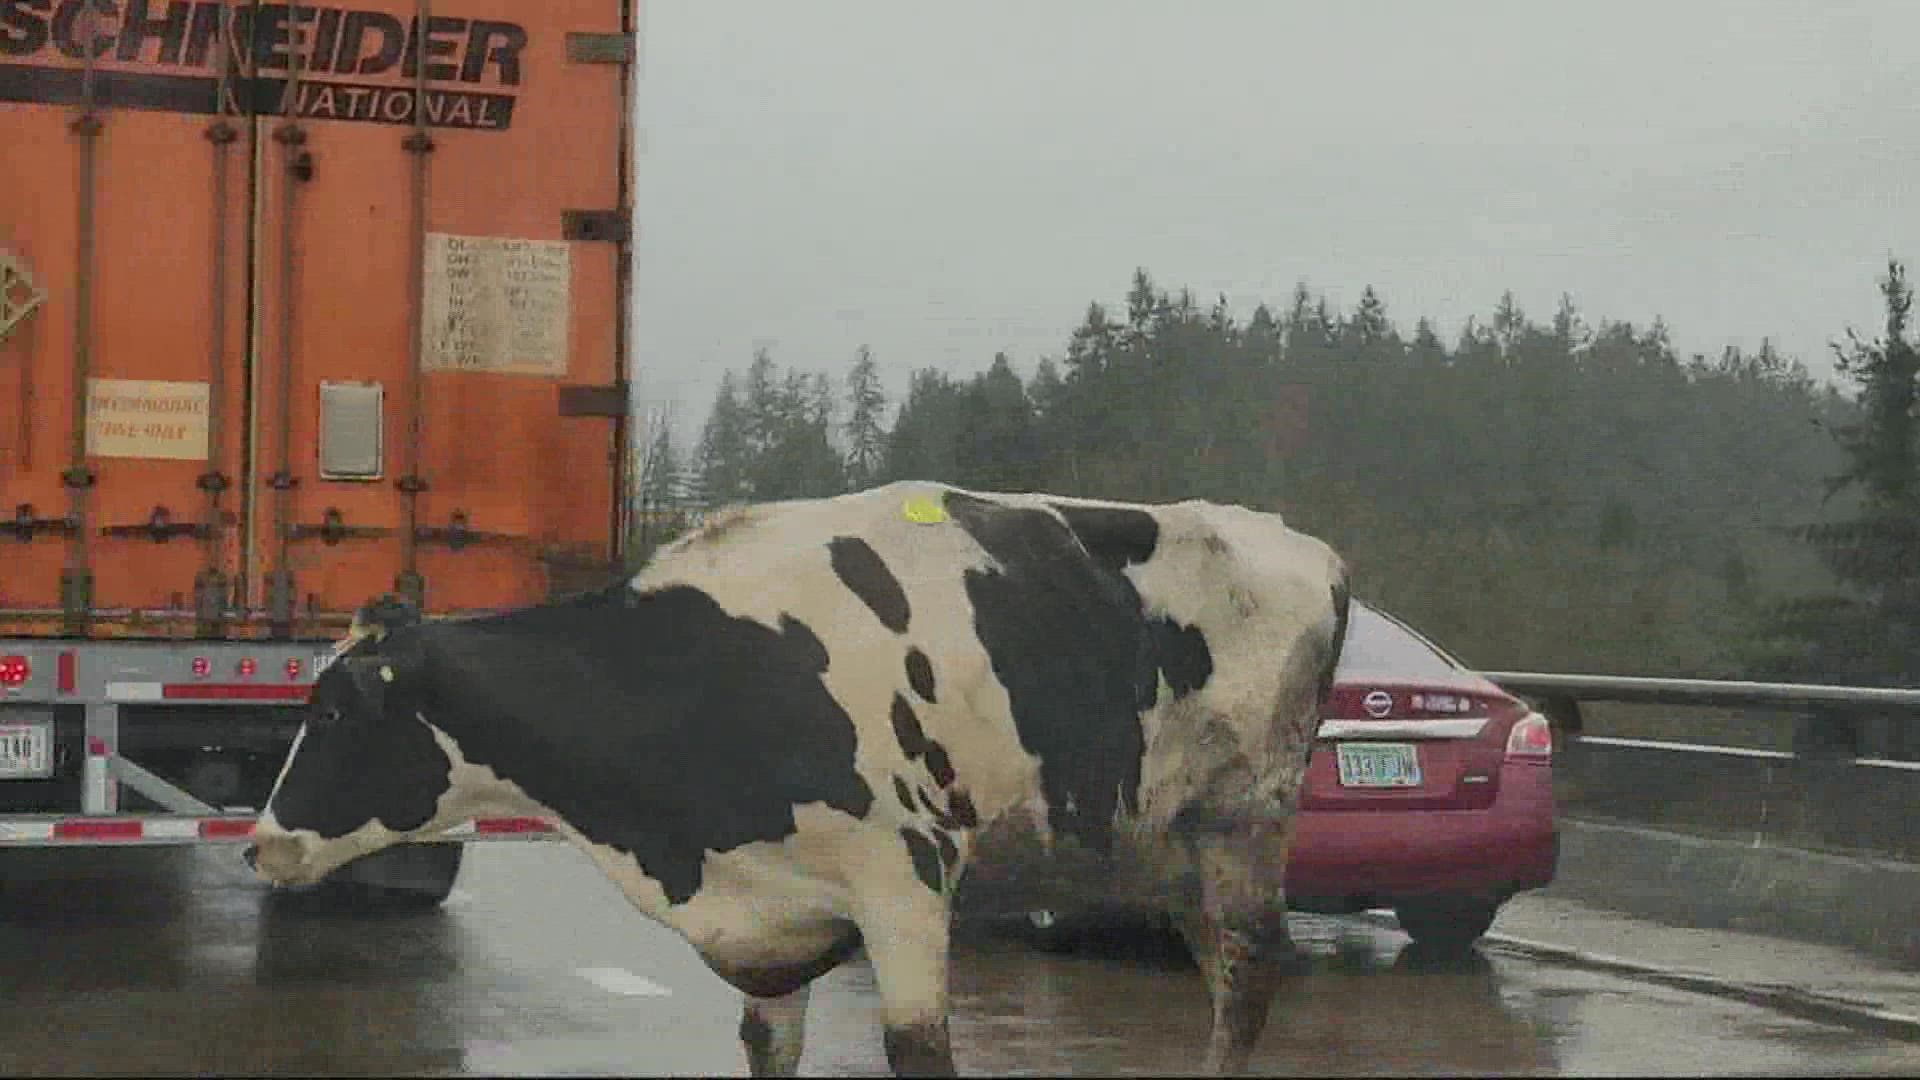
{"x": 1346, "y": 859}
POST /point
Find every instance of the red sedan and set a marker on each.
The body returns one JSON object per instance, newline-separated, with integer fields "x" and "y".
{"x": 1430, "y": 791}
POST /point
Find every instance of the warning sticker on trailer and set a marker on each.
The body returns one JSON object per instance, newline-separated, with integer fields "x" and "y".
{"x": 143, "y": 418}
{"x": 496, "y": 304}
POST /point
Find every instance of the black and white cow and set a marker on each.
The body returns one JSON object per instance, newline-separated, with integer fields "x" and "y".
{"x": 788, "y": 736}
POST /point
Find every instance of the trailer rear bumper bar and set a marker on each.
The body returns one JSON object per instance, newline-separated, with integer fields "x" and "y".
{"x": 149, "y": 830}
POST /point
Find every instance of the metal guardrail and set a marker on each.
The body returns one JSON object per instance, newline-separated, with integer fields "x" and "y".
{"x": 1559, "y": 696}
{"x": 1658, "y": 691}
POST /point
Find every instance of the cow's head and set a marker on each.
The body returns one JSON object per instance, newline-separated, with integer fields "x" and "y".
{"x": 367, "y": 769}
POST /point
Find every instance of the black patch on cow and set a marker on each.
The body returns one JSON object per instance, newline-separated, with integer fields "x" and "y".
{"x": 960, "y": 809}
{"x": 366, "y": 756}
{"x": 926, "y": 861}
{"x": 949, "y": 854}
{"x": 906, "y": 728}
{"x": 656, "y": 724}
{"x": 926, "y": 800}
{"x": 861, "y": 569}
{"x": 920, "y": 674}
{"x": 1068, "y": 640}
{"x": 938, "y": 766}
{"x": 1184, "y": 658}
{"x": 1114, "y": 535}
{"x": 903, "y": 793}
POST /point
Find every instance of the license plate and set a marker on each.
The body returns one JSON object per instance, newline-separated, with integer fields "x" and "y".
{"x": 26, "y": 752}
{"x": 1377, "y": 765}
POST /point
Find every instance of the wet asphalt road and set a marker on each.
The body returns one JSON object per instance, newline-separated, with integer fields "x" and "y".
{"x": 176, "y": 962}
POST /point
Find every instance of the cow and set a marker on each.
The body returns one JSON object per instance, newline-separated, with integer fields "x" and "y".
{"x": 794, "y": 730}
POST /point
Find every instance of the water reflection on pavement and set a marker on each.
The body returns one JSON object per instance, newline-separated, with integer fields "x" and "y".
{"x": 176, "y": 962}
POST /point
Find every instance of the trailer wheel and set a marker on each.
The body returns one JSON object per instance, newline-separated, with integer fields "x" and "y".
{"x": 405, "y": 877}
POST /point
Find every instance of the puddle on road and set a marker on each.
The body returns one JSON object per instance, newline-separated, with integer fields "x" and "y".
{"x": 1364, "y": 1004}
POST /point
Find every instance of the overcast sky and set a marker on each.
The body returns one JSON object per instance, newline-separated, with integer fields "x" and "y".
{"x": 944, "y": 180}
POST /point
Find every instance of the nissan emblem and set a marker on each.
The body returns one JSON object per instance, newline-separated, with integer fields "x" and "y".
{"x": 1378, "y": 703}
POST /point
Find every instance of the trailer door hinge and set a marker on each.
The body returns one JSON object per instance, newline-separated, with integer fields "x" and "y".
{"x": 611, "y": 226}
{"x": 587, "y": 47}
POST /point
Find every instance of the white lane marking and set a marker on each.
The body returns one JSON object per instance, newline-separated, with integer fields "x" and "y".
{"x": 622, "y": 981}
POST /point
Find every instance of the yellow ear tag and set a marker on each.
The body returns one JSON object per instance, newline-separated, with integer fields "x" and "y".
{"x": 923, "y": 510}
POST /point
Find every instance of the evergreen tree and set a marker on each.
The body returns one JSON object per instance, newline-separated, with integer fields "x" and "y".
{"x": 1426, "y": 351}
{"x": 995, "y": 446}
{"x": 1871, "y": 630}
{"x": 925, "y": 435}
{"x": 726, "y": 449}
{"x": 866, "y": 437}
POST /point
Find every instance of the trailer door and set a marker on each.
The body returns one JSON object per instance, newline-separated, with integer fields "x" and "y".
{"x": 440, "y": 291}
{"x": 123, "y": 230}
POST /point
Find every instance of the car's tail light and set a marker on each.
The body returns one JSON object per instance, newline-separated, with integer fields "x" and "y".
{"x": 1531, "y": 738}
{"x": 14, "y": 671}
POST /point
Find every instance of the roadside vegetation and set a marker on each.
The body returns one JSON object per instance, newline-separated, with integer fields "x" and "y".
{"x": 1554, "y": 493}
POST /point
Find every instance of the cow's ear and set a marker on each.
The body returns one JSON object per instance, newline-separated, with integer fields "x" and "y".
{"x": 382, "y": 616}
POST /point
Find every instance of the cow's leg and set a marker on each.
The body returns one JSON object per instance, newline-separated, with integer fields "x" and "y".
{"x": 774, "y": 1030}
{"x": 1239, "y": 939}
{"x": 907, "y": 942}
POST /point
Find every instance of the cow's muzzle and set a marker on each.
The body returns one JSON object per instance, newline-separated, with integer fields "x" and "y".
{"x": 282, "y": 860}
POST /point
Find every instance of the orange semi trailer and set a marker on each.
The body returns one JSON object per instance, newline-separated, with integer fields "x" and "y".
{"x": 299, "y": 304}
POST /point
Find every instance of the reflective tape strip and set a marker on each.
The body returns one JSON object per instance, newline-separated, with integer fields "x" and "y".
{"x": 25, "y": 832}
{"x": 99, "y": 829}
{"x": 159, "y": 829}
{"x": 170, "y": 829}
{"x": 135, "y": 691}
{"x": 511, "y": 826}
{"x": 226, "y": 828}
{"x": 294, "y": 692}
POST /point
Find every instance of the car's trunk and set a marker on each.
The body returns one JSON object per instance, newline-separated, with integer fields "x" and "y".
{"x": 1389, "y": 744}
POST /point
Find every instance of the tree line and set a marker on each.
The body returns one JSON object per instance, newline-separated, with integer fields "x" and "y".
{"x": 1547, "y": 494}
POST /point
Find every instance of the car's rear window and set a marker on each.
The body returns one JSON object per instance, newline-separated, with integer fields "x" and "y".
{"x": 1376, "y": 645}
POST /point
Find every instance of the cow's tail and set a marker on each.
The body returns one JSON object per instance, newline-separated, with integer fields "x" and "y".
{"x": 1342, "y": 597}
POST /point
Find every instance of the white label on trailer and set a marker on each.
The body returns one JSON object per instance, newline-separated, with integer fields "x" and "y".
{"x": 134, "y": 691}
{"x": 145, "y": 418}
{"x": 495, "y": 304}
{"x": 26, "y": 751}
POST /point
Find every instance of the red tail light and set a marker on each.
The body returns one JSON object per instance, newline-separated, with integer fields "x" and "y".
{"x": 293, "y": 668}
{"x": 14, "y": 671}
{"x": 202, "y": 667}
{"x": 1531, "y": 738}
{"x": 247, "y": 667}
